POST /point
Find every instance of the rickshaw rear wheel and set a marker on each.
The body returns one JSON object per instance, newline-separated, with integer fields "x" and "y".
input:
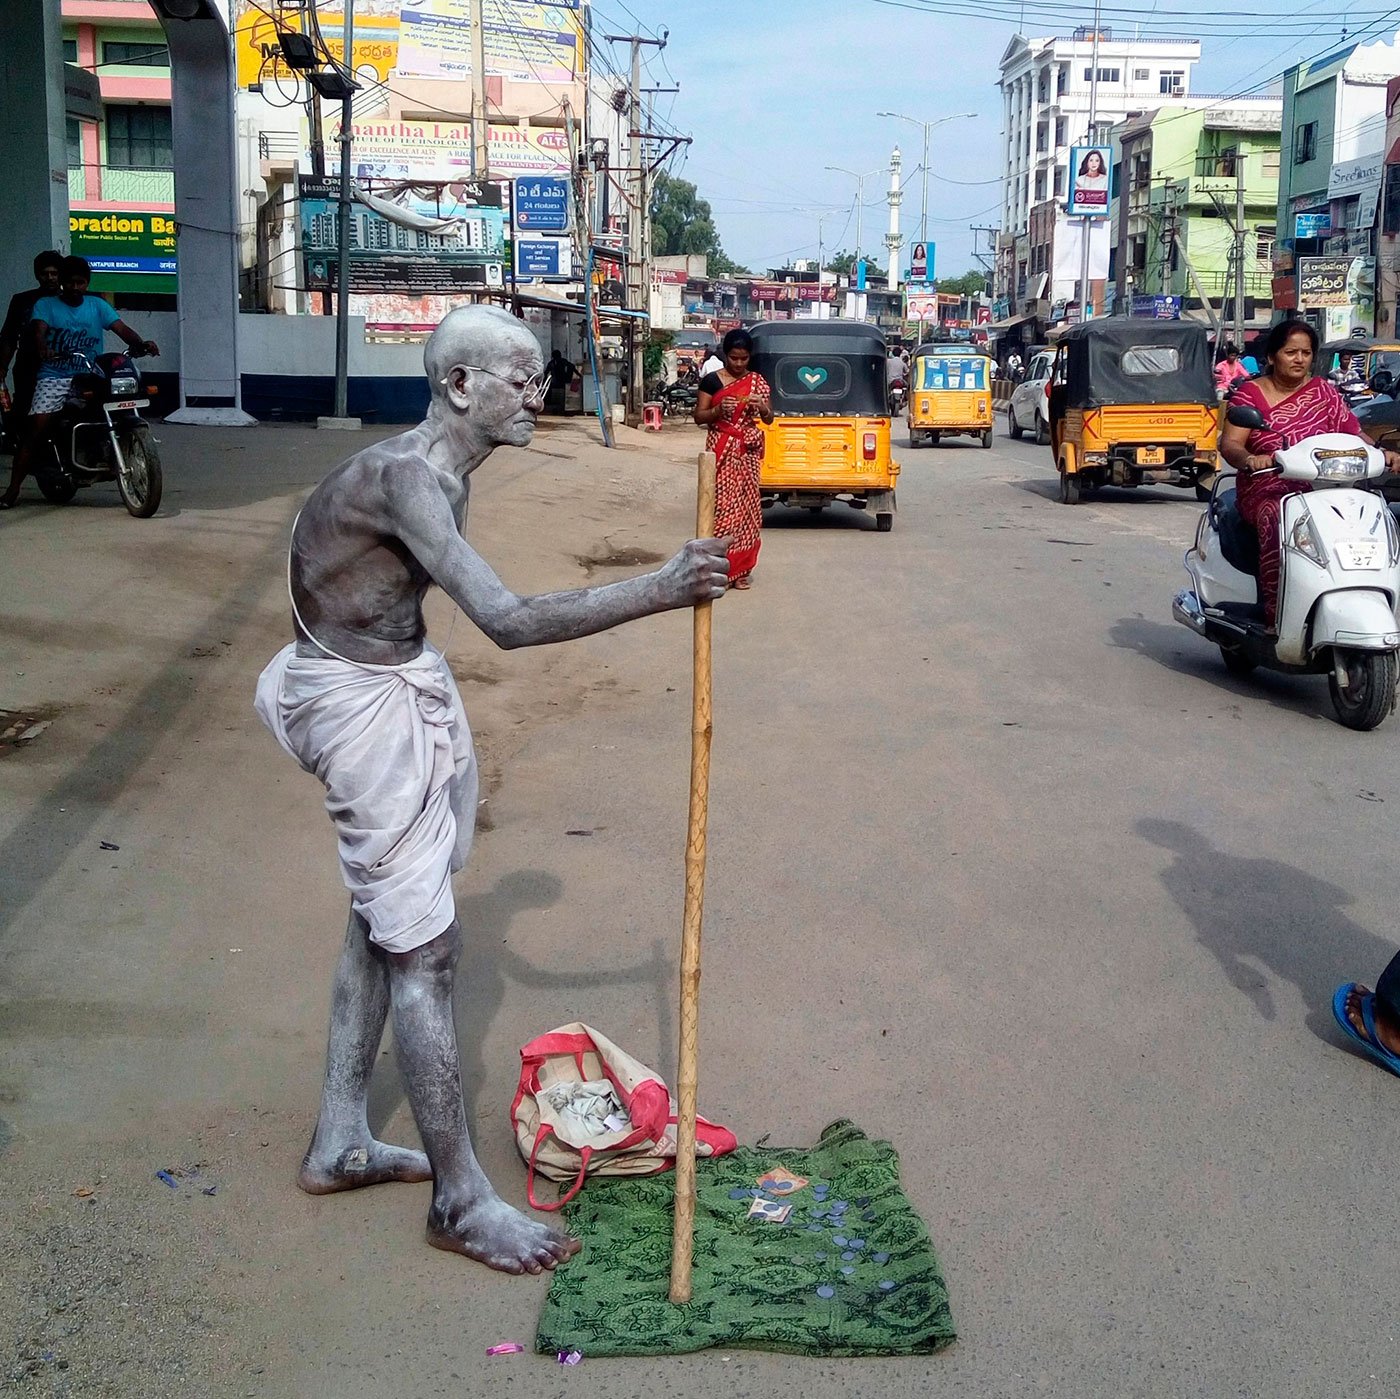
{"x": 1236, "y": 662}
{"x": 1069, "y": 488}
{"x": 987, "y": 438}
{"x": 933, "y": 438}
{"x": 884, "y": 521}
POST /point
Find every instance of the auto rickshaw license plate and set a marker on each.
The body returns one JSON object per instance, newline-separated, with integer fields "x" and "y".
{"x": 1151, "y": 456}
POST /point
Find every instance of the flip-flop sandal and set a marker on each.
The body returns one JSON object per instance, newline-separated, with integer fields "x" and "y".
{"x": 1369, "y": 1043}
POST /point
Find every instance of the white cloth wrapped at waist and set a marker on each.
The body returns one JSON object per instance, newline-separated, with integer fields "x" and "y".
{"x": 393, "y": 748}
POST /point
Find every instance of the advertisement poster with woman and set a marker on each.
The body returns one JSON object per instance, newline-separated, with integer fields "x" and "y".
{"x": 1088, "y": 181}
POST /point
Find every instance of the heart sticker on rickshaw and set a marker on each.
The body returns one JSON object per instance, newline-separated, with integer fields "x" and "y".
{"x": 811, "y": 378}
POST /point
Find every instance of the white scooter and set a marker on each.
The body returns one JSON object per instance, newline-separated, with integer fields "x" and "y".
{"x": 1338, "y": 585}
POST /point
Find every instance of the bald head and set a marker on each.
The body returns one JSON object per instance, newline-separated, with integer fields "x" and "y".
{"x": 481, "y": 335}
{"x": 482, "y": 366}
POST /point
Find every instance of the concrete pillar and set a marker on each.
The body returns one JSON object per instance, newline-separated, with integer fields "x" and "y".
{"x": 33, "y": 137}
{"x": 206, "y": 210}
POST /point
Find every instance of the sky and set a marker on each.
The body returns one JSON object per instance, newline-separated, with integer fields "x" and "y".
{"x": 773, "y": 91}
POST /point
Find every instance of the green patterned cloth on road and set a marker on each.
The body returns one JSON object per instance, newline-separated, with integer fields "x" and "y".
{"x": 852, "y": 1271}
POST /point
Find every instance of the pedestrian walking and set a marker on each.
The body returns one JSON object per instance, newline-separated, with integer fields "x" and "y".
{"x": 731, "y": 403}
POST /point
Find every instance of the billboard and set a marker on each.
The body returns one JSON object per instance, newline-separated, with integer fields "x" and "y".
{"x": 525, "y": 42}
{"x": 522, "y": 42}
{"x": 1322, "y": 281}
{"x": 407, "y": 240}
{"x": 129, "y": 249}
{"x": 442, "y": 150}
{"x": 1089, "y": 168}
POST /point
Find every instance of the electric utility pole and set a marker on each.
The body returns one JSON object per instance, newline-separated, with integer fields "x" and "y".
{"x": 342, "y": 288}
{"x": 1239, "y": 245}
{"x": 638, "y": 270}
{"x": 481, "y": 158}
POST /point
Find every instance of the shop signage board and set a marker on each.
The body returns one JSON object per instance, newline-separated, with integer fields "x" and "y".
{"x": 1312, "y": 225}
{"x": 1322, "y": 281}
{"x": 542, "y": 204}
{"x": 547, "y": 258}
{"x": 129, "y": 249}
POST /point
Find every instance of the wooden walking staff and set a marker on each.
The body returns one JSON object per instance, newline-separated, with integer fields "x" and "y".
{"x": 688, "y": 1067}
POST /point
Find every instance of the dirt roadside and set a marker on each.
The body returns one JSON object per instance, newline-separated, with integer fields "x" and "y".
{"x": 171, "y": 911}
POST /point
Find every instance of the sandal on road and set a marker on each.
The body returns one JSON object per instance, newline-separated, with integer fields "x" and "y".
{"x": 1369, "y": 1043}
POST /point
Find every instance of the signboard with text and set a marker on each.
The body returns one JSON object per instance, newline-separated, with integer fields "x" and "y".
{"x": 1089, "y": 168}
{"x": 1317, "y": 225}
{"x": 129, "y": 249}
{"x": 542, "y": 204}
{"x": 1322, "y": 281}
{"x": 549, "y": 258}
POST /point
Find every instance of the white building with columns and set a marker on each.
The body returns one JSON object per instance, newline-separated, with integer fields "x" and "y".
{"x": 1045, "y": 86}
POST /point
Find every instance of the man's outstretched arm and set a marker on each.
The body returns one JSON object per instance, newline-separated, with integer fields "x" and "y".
{"x": 421, "y": 517}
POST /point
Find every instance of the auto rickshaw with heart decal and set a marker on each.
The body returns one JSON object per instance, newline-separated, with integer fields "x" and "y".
{"x": 830, "y": 435}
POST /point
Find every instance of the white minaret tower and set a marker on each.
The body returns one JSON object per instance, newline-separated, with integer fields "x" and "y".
{"x": 893, "y": 241}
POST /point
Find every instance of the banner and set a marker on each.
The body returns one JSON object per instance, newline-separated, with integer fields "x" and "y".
{"x": 523, "y": 42}
{"x": 921, "y": 306}
{"x": 258, "y": 58}
{"x": 129, "y": 249}
{"x": 433, "y": 150}
{"x": 1089, "y": 168}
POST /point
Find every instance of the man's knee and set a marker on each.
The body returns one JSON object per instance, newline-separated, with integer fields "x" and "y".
{"x": 436, "y": 959}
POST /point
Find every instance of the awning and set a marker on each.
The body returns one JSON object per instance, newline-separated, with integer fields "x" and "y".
{"x": 994, "y": 326}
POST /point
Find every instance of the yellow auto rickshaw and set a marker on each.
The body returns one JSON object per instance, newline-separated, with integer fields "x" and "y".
{"x": 950, "y": 393}
{"x": 1133, "y": 402}
{"x": 830, "y": 435}
{"x": 1361, "y": 365}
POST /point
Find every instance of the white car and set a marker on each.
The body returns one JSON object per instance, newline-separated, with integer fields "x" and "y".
{"x": 1028, "y": 408}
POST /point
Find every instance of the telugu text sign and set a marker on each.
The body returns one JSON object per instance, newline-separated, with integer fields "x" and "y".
{"x": 522, "y": 42}
{"x": 258, "y": 58}
{"x": 1322, "y": 282}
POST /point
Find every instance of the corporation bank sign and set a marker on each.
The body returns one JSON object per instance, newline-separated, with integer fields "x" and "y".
{"x": 128, "y": 249}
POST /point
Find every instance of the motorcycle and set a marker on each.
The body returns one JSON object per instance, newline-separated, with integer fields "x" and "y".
{"x": 1338, "y": 586}
{"x": 899, "y": 396}
{"x": 678, "y": 400}
{"x": 99, "y": 435}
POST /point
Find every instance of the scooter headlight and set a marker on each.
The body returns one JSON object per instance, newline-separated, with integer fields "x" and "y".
{"x": 1304, "y": 540}
{"x": 1334, "y": 465}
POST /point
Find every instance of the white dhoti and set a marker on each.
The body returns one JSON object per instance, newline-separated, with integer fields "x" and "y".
{"x": 392, "y": 746}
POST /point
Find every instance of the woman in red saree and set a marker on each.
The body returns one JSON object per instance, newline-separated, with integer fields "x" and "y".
{"x": 1294, "y": 406}
{"x": 730, "y": 403}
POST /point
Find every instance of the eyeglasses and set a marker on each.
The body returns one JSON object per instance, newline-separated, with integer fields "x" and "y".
{"x": 536, "y": 386}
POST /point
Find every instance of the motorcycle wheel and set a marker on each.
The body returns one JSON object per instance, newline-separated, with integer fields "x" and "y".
{"x": 1371, "y": 694}
{"x": 139, "y": 480}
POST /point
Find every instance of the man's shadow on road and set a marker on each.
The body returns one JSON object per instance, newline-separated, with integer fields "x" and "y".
{"x": 1259, "y": 916}
{"x": 488, "y": 968}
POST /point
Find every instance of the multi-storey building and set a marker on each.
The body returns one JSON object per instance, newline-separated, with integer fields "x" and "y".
{"x": 1333, "y": 157}
{"x": 1184, "y": 172}
{"x": 121, "y": 181}
{"x": 1047, "y": 86}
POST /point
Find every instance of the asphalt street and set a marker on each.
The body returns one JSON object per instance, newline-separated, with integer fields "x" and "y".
{"x": 1004, "y": 866}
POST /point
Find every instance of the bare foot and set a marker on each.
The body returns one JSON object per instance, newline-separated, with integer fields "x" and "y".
{"x": 1387, "y": 1030}
{"x": 369, "y": 1163}
{"x": 501, "y": 1237}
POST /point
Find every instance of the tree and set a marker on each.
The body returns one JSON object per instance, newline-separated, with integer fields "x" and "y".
{"x": 972, "y": 283}
{"x": 845, "y": 262}
{"x": 681, "y": 222}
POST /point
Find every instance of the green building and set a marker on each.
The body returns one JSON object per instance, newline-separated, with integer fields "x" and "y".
{"x": 1182, "y": 172}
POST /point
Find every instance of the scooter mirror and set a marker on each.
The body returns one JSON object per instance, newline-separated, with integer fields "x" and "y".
{"x": 1242, "y": 415}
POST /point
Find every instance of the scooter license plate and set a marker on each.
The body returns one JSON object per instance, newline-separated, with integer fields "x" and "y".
{"x": 130, "y": 403}
{"x": 1151, "y": 456}
{"x": 1358, "y": 553}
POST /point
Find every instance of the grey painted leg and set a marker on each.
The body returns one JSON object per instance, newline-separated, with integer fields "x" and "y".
{"x": 343, "y": 1154}
{"x": 467, "y": 1216}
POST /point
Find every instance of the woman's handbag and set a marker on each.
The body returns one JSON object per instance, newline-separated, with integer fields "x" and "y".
{"x": 585, "y": 1107}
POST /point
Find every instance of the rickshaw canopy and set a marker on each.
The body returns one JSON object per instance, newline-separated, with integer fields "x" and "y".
{"x": 1123, "y": 360}
{"x": 822, "y": 368}
{"x": 942, "y": 365}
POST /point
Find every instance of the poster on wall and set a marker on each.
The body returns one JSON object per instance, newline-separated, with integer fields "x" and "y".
{"x": 1089, "y": 168}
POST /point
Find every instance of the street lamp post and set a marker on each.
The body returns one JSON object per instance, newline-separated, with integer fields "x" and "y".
{"x": 927, "y": 127}
{"x": 860, "y": 195}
